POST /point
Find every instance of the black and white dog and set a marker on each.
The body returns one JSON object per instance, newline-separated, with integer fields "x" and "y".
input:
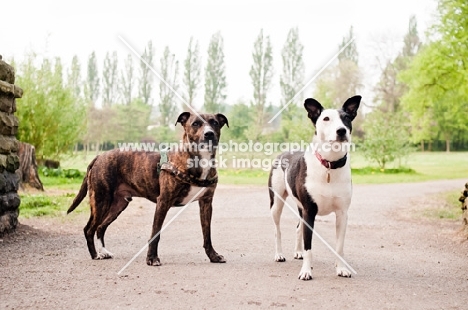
{"x": 318, "y": 180}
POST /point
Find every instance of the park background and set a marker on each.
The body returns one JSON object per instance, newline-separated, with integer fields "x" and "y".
{"x": 87, "y": 84}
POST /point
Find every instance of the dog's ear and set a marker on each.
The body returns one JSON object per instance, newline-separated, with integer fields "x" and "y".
{"x": 183, "y": 118}
{"x": 314, "y": 109}
{"x": 351, "y": 106}
{"x": 222, "y": 120}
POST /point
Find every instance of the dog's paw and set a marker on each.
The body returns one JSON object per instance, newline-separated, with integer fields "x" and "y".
{"x": 217, "y": 258}
{"x": 153, "y": 261}
{"x": 104, "y": 255}
{"x": 298, "y": 255}
{"x": 279, "y": 258}
{"x": 343, "y": 272}
{"x": 305, "y": 275}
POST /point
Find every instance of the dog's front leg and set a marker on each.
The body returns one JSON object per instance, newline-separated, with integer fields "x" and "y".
{"x": 341, "y": 224}
{"x": 309, "y": 219}
{"x": 206, "y": 211}
{"x": 162, "y": 206}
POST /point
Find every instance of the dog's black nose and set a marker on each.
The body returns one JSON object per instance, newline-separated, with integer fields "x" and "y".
{"x": 209, "y": 135}
{"x": 341, "y": 131}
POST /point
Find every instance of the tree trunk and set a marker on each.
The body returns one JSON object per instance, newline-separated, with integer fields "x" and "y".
{"x": 464, "y": 200}
{"x": 447, "y": 145}
{"x": 28, "y": 166}
{"x": 422, "y": 145}
{"x": 86, "y": 149}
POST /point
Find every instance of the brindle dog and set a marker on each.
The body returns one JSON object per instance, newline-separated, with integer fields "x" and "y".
{"x": 114, "y": 177}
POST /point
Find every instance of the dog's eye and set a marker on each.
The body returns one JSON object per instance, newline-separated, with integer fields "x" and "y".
{"x": 214, "y": 123}
{"x": 196, "y": 124}
{"x": 326, "y": 118}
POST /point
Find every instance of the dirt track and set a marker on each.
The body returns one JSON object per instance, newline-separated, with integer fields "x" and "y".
{"x": 403, "y": 261}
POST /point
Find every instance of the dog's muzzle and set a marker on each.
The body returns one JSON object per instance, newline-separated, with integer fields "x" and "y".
{"x": 209, "y": 135}
{"x": 208, "y": 143}
{"x": 209, "y": 140}
{"x": 341, "y": 134}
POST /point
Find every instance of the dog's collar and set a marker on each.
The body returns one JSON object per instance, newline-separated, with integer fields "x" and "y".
{"x": 165, "y": 164}
{"x": 332, "y": 164}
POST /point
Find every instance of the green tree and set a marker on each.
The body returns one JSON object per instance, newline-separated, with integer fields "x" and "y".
{"x": 192, "y": 71}
{"x": 100, "y": 127}
{"x": 238, "y": 131}
{"x": 146, "y": 77}
{"x": 131, "y": 121}
{"x": 324, "y": 89}
{"x": 261, "y": 74}
{"x": 51, "y": 116}
{"x": 74, "y": 77}
{"x": 387, "y": 138}
{"x": 437, "y": 96}
{"x": 127, "y": 80}
{"x": 169, "y": 73}
{"x": 215, "y": 76}
{"x": 292, "y": 77}
{"x": 109, "y": 80}
{"x": 92, "y": 86}
{"x": 437, "y": 78}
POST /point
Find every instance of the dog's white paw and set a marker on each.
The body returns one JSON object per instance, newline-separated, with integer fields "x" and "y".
{"x": 279, "y": 257}
{"x": 343, "y": 272}
{"x": 104, "y": 254}
{"x": 298, "y": 255}
{"x": 305, "y": 275}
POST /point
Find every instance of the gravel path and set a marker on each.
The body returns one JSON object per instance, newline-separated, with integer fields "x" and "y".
{"x": 404, "y": 261}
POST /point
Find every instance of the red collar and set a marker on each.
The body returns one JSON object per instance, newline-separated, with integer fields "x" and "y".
{"x": 332, "y": 164}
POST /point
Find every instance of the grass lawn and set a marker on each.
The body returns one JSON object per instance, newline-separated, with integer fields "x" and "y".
{"x": 426, "y": 166}
{"x": 43, "y": 204}
{"x": 450, "y": 207}
{"x": 441, "y": 206}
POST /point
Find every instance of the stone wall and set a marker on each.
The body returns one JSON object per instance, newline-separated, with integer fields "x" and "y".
{"x": 9, "y": 161}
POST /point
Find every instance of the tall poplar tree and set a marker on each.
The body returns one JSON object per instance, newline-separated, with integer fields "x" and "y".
{"x": 261, "y": 74}
{"x": 192, "y": 71}
{"x": 215, "y": 76}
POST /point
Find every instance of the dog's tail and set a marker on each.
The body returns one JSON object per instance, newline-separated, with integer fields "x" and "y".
{"x": 83, "y": 190}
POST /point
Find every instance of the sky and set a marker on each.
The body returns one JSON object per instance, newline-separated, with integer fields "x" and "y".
{"x": 66, "y": 28}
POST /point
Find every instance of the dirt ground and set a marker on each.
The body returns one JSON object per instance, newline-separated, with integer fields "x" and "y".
{"x": 403, "y": 261}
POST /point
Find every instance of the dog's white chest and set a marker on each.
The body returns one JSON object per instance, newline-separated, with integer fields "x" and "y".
{"x": 205, "y": 164}
{"x": 329, "y": 196}
{"x": 194, "y": 190}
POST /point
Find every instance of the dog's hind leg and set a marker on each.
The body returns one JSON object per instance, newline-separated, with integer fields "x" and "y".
{"x": 277, "y": 187}
{"x": 276, "y": 211}
{"x": 299, "y": 248}
{"x": 90, "y": 228}
{"x": 89, "y": 232}
{"x": 119, "y": 204}
{"x": 341, "y": 223}
{"x": 103, "y": 253}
